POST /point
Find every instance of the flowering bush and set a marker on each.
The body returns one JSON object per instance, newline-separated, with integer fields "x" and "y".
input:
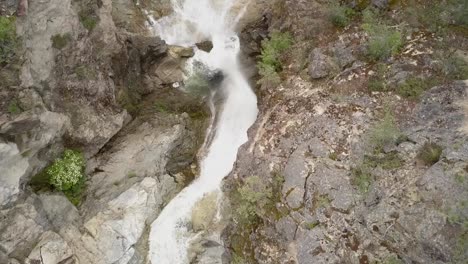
{"x": 67, "y": 171}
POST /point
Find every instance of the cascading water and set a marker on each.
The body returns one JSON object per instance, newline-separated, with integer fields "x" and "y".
{"x": 192, "y": 22}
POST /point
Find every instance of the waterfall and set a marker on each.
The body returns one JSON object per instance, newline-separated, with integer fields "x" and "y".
{"x": 194, "y": 21}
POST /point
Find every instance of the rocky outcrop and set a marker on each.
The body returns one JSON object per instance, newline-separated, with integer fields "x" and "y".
{"x": 341, "y": 200}
{"x": 96, "y": 82}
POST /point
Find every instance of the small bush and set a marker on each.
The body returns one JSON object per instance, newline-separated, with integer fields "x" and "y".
{"x": 454, "y": 67}
{"x": 383, "y": 40}
{"x": 386, "y": 161}
{"x": 60, "y": 41}
{"x": 270, "y": 64}
{"x": 413, "y": 87}
{"x": 13, "y": 108}
{"x": 88, "y": 19}
{"x": 8, "y": 39}
{"x": 384, "y": 133}
{"x": 430, "y": 153}
{"x": 361, "y": 178}
{"x": 377, "y": 82}
{"x": 66, "y": 172}
{"x": 253, "y": 197}
{"x": 340, "y": 15}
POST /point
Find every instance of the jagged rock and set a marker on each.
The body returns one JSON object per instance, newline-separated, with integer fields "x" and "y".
{"x": 25, "y": 137}
{"x": 344, "y": 55}
{"x": 44, "y": 20}
{"x": 320, "y": 65}
{"x": 20, "y": 230}
{"x": 92, "y": 130}
{"x": 181, "y": 52}
{"x": 169, "y": 70}
{"x": 12, "y": 166}
{"x": 205, "y": 45}
{"x": 51, "y": 249}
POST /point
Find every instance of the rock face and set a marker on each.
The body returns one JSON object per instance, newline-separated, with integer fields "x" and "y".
{"x": 92, "y": 80}
{"x": 340, "y": 198}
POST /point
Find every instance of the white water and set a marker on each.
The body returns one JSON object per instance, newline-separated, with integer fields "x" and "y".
{"x": 194, "y": 21}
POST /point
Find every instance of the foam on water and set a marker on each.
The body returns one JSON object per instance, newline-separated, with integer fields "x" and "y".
{"x": 192, "y": 22}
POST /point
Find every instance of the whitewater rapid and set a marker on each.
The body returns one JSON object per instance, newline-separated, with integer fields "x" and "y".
{"x": 194, "y": 21}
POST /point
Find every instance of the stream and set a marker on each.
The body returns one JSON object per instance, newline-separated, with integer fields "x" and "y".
{"x": 191, "y": 22}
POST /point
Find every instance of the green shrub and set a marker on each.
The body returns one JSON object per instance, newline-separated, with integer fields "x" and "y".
{"x": 377, "y": 82}
{"x": 253, "y": 197}
{"x": 384, "y": 133}
{"x": 340, "y": 15}
{"x": 386, "y": 161}
{"x": 13, "y": 108}
{"x": 88, "y": 19}
{"x": 270, "y": 64}
{"x": 413, "y": 87}
{"x": 438, "y": 16}
{"x": 454, "y": 67}
{"x": 8, "y": 39}
{"x": 60, "y": 41}
{"x": 430, "y": 153}
{"x": 384, "y": 41}
{"x": 66, "y": 172}
{"x": 362, "y": 178}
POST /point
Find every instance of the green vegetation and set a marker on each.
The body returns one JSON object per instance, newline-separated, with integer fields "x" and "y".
{"x": 454, "y": 67}
{"x": 458, "y": 218}
{"x": 333, "y": 156}
{"x": 384, "y": 133}
{"x": 438, "y": 16}
{"x": 311, "y": 225}
{"x": 67, "y": 171}
{"x": 88, "y": 19}
{"x": 8, "y": 39}
{"x": 387, "y": 161}
{"x": 392, "y": 260}
{"x": 384, "y": 41}
{"x": 85, "y": 72}
{"x": 254, "y": 197}
{"x": 161, "y": 107}
{"x": 270, "y": 64}
{"x": 430, "y": 153}
{"x": 13, "y": 108}
{"x": 340, "y": 15}
{"x": 362, "y": 178}
{"x": 60, "y": 41}
{"x": 413, "y": 87}
{"x": 65, "y": 174}
{"x": 377, "y": 82}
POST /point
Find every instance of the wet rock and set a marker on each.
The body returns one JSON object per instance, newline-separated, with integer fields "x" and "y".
{"x": 320, "y": 65}
{"x": 204, "y": 212}
{"x": 205, "y": 45}
{"x": 181, "y": 52}
{"x": 13, "y": 166}
{"x": 169, "y": 70}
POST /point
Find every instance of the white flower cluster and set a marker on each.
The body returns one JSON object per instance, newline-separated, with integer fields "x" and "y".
{"x": 66, "y": 172}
